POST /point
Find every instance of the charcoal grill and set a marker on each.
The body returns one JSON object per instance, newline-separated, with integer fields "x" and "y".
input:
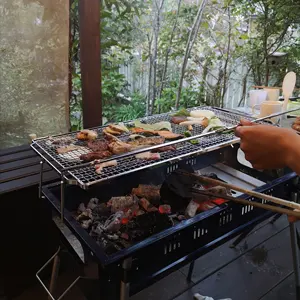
{"x": 131, "y": 269}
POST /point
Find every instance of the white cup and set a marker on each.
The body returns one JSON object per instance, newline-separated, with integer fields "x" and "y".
{"x": 256, "y": 97}
{"x": 272, "y": 94}
{"x": 271, "y": 107}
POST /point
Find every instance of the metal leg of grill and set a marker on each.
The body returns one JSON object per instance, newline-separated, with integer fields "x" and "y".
{"x": 295, "y": 253}
{"x": 41, "y": 178}
{"x": 125, "y": 284}
{"x": 191, "y": 270}
{"x": 54, "y": 275}
{"x": 241, "y": 237}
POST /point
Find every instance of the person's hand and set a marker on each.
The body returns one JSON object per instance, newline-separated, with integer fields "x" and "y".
{"x": 266, "y": 146}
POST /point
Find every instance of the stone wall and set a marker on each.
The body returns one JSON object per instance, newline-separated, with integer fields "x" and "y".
{"x": 34, "y": 44}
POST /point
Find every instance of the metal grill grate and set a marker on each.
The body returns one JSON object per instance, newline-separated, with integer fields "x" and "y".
{"x": 86, "y": 175}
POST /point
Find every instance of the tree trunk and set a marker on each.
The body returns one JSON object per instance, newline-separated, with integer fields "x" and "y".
{"x": 156, "y": 29}
{"x": 148, "y": 108}
{"x": 164, "y": 74}
{"x": 225, "y": 81}
{"x": 190, "y": 43}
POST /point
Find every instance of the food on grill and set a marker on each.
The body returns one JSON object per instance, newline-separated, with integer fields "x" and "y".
{"x": 146, "y": 205}
{"x": 214, "y": 124}
{"x": 119, "y": 147}
{"x": 202, "y": 113}
{"x": 99, "y": 167}
{"x": 136, "y": 136}
{"x": 168, "y": 135}
{"x": 178, "y": 119}
{"x": 148, "y": 156}
{"x": 111, "y": 131}
{"x": 93, "y": 203}
{"x": 98, "y": 145}
{"x": 95, "y": 155}
{"x": 153, "y": 127}
{"x": 296, "y": 124}
{"x": 118, "y": 127}
{"x": 63, "y": 141}
{"x": 149, "y": 141}
{"x": 165, "y": 149}
{"x": 138, "y": 130}
{"x": 66, "y": 149}
{"x": 203, "y": 122}
{"x": 150, "y": 192}
{"x": 86, "y": 135}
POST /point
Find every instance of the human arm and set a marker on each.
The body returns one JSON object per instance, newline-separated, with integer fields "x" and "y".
{"x": 269, "y": 147}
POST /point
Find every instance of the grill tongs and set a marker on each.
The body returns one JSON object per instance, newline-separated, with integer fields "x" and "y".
{"x": 213, "y": 195}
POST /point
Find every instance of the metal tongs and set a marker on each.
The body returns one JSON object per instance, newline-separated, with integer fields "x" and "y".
{"x": 214, "y": 182}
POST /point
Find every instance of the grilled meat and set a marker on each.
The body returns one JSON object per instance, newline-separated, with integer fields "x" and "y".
{"x": 178, "y": 119}
{"x": 99, "y": 167}
{"x": 119, "y": 147}
{"x": 165, "y": 149}
{"x": 138, "y": 130}
{"x": 63, "y": 141}
{"x": 111, "y": 131}
{"x": 150, "y": 192}
{"x": 296, "y": 124}
{"x": 150, "y": 141}
{"x": 99, "y": 145}
{"x": 95, "y": 155}
{"x": 121, "y": 128}
{"x": 66, "y": 149}
{"x": 168, "y": 135}
{"x": 148, "y": 156}
{"x": 86, "y": 135}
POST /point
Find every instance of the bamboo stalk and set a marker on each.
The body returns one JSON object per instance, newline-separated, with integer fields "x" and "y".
{"x": 274, "y": 209}
{"x": 273, "y": 199}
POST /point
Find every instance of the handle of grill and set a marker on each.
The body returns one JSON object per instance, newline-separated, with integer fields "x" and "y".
{"x": 44, "y": 286}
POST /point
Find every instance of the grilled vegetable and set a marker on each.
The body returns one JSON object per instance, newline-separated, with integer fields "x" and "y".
{"x": 182, "y": 112}
{"x": 153, "y": 127}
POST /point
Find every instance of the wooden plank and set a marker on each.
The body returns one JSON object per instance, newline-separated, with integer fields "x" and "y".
{"x": 17, "y": 156}
{"x": 19, "y": 164}
{"x": 90, "y": 61}
{"x": 24, "y": 182}
{"x": 24, "y": 172}
{"x": 224, "y": 255}
{"x": 252, "y": 275}
{"x": 14, "y": 149}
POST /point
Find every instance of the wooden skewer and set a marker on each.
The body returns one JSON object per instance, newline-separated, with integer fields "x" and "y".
{"x": 215, "y": 182}
{"x": 274, "y": 209}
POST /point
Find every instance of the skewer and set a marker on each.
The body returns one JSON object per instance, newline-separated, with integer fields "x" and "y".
{"x": 146, "y": 149}
{"x": 247, "y": 202}
{"x": 273, "y": 199}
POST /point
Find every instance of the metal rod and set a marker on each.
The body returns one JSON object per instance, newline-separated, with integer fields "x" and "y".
{"x": 295, "y": 254}
{"x": 245, "y": 191}
{"x": 138, "y": 151}
{"x": 54, "y": 275}
{"x": 41, "y": 178}
{"x": 191, "y": 270}
{"x": 62, "y": 198}
{"x": 247, "y": 202}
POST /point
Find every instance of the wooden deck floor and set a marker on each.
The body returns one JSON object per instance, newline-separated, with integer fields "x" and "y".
{"x": 260, "y": 268}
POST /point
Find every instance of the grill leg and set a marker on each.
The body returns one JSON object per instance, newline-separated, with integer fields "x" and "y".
{"x": 241, "y": 237}
{"x": 191, "y": 270}
{"x": 295, "y": 253}
{"x": 54, "y": 275}
{"x": 125, "y": 284}
{"x": 41, "y": 178}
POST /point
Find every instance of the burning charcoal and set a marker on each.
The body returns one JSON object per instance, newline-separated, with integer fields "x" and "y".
{"x": 86, "y": 224}
{"x": 93, "y": 203}
{"x": 181, "y": 217}
{"x": 112, "y": 237}
{"x": 131, "y": 212}
{"x": 125, "y": 236}
{"x": 81, "y": 208}
{"x": 139, "y": 212}
{"x": 164, "y": 209}
{"x": 102, "y": 210}
{"x": 114, "y": 222}
{"x": 86, "y": 215}
{"x": 120, "y": 203}
{"x": 150, "y": 192}
{"x": 191, "y": 209}
{"x": 146, "y": 205}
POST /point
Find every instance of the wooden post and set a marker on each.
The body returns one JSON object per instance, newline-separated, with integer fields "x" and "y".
{"x": 90, "y": 61}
